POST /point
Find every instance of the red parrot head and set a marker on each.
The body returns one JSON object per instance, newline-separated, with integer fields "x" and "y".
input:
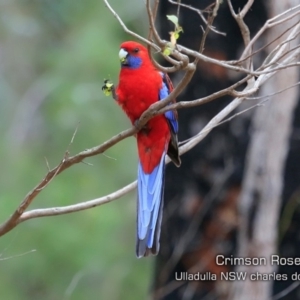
{"x": 133, "y": 55}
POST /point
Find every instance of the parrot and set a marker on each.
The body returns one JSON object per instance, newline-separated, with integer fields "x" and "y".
{"x": 140, "y": 85}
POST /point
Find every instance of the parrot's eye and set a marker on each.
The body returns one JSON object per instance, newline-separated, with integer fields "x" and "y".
{"x": 136, "y": 50}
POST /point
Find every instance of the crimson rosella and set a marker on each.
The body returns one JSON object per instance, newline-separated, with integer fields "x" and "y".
{"x": 141, "y": 85}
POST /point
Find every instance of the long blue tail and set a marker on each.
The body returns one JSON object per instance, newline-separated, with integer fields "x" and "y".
{"x": 149, "y": 209}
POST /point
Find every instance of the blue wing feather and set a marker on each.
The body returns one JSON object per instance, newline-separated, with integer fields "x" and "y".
{"x": 163, "y": 93}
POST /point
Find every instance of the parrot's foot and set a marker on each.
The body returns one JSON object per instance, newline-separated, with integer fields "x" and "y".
{"x": 145, "y": 129}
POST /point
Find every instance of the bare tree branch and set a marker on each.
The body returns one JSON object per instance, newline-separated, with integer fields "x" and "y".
{"x": 199, "y": 12}
{"x": 271, "y": 23}
{"x": 55, "y": 211}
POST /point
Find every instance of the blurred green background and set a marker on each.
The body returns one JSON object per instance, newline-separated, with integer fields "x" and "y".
{"x": 54, "y": 55}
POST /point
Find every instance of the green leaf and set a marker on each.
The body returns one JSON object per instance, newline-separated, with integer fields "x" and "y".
{"x": 174, "y": 34}
{"x": 173, "y": 19}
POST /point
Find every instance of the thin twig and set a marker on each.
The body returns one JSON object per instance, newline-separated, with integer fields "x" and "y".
{"x": 269, "y": 24}
{"x": 199, "y": 12}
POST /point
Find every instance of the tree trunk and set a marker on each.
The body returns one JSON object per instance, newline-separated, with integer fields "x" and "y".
{"x": 264, "y": 176}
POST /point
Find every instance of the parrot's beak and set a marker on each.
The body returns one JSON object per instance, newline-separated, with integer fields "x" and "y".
{"x": 123, "y": 56}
